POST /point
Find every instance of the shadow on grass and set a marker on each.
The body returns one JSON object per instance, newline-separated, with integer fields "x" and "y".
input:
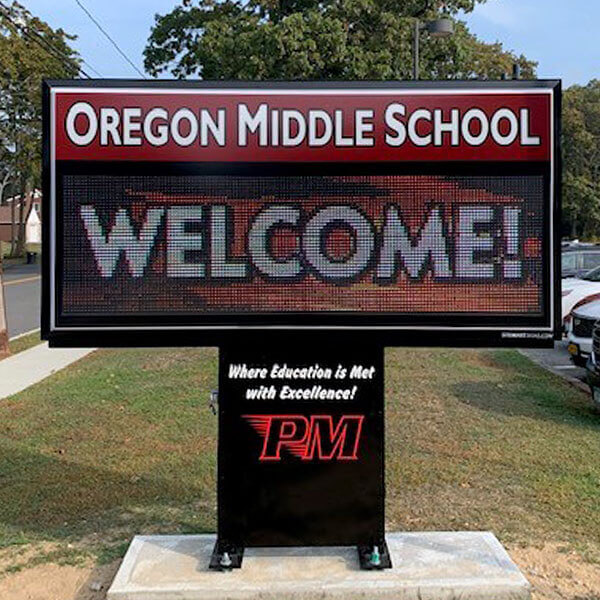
{"x": 537, "y": 403}
{"x": 51, "y": 498}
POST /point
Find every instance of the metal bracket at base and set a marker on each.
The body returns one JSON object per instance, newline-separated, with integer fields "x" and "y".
{"x": 226, "y": 557}
{"x": 374, "y": 558}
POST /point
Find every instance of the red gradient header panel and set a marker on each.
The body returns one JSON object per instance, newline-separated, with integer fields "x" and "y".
{"x": 334, "y": 125}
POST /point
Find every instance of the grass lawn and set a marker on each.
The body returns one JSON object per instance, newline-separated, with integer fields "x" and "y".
{"x": 25, "y": 342}
{"x": 124, "y": 442}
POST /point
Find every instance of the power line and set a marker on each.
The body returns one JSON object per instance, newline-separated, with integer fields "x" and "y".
{"x": 60, "y": 54}
{"x": 37, "y": 39}
{"x": 89, "y": 14}
{"x": 58, "y": 50}
{"x": 63, "y": 54}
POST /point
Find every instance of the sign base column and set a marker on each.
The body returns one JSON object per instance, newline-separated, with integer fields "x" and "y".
{"x": 301, "y": 450}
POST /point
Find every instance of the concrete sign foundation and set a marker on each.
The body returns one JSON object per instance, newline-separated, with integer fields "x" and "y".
{"x": 426, "y": 566}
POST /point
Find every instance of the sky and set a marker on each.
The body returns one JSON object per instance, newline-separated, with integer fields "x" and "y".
{"x": 559, "y": 34}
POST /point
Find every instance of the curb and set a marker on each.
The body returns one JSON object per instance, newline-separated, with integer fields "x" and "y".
{"x": 16, "y": 337}
{"x": 577, "y": 383}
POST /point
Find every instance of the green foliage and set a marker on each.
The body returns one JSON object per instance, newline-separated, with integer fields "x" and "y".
{"x": 24, "y": 62}
{"x": 310, "y": 39}
{"x": 581, "y": 144}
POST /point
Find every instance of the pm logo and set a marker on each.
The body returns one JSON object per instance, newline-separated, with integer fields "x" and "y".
{"x": 318, "y": 437}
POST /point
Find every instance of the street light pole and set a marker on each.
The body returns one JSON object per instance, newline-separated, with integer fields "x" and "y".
{"x": 439, "y": 28}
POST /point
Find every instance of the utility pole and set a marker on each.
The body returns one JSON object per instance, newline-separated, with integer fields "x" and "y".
{"x": 4, "y": 351}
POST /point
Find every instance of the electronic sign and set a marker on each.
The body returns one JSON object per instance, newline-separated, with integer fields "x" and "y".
{"x": 184, "y": 213}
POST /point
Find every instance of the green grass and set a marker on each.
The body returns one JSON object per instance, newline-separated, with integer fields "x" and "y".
{"x": 25, "y": 342}
{"x": 488, "y": 440}
{"x": 121, "y": 443}
{"x": 124, "y": 442}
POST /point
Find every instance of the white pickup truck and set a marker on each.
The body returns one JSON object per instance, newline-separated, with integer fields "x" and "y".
{"x": 579, "y": 332}
{"x": 578, "y": 292}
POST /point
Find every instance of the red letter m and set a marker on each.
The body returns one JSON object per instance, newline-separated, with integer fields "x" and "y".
{"x": 329, "y": 443}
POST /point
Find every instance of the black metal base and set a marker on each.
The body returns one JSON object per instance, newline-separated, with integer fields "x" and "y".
{"x": 365, "y": 557}
{"x": 235, "y": 553}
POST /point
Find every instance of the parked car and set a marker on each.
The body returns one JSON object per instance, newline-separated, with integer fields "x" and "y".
{"x": 577, "y": 259}
{"x": 593, "y": 366}
{"x": 579, "y": 332}
{"x": 577, "y": 292}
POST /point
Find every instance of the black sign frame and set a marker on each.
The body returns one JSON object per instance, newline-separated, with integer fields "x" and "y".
{"x": 410, "y": 329}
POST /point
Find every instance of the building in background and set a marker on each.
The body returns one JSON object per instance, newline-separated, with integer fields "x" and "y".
{"x": 32, "y": 216}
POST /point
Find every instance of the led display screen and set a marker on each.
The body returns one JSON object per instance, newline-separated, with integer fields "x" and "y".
{"x": 405, "y": 210}
{"x": 379, "y": 244}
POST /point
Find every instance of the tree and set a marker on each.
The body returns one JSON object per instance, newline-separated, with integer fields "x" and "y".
{"x": 581, "y": 165}
{"x": 318, "y": 39}
{"x": 3, "y": 325}
{"x": 29, "y": 51}
{"x": 6, "y": 172}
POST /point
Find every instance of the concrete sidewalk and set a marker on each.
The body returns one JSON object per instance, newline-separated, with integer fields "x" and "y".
{"x": 26, "y": 368}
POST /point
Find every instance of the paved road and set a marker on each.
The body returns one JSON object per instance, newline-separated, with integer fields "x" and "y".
{"x": 558, "y": 361}
{"x": 22, "y": 294}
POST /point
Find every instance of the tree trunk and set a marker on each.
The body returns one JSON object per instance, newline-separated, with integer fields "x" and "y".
{"x": 3, "y": 185}
{"x": 25, "y": 193}
{"x": 13, "y": 229}
{"x": 4, "y": 351}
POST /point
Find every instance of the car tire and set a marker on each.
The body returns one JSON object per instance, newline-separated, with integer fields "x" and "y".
{"x": 579, "y": 361}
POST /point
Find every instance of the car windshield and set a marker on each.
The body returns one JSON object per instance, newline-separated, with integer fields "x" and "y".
{"x": 593, "y": 275}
